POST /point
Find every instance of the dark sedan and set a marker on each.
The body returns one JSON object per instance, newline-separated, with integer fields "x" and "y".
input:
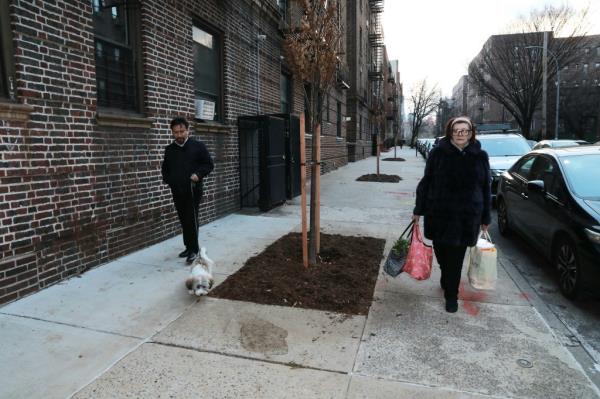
{"x": 551, "y": 197}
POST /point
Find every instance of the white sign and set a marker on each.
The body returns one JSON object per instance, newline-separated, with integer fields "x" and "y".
{"x": 205, "y": 110}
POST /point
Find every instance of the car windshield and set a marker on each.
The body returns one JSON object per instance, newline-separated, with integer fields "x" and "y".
{"x": 505, "y": 146}
{"x": 581, "y": 172}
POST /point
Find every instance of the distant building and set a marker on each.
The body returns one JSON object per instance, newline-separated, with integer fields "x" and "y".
{"x": 460, "y": 96}
{"x": 579, "y": 109}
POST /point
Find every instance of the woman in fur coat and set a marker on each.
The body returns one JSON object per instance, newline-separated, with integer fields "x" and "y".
{"x": 454, "y": 196}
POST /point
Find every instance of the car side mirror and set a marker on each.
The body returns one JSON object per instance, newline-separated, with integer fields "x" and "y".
{"x": 536, "y": 185}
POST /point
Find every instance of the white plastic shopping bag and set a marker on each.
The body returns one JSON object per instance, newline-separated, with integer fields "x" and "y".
{"x": 482, "y": 264}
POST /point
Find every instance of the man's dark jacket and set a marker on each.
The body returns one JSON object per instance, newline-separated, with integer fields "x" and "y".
{"x": 454, "y": 195}
{"x": 180, "y": 162}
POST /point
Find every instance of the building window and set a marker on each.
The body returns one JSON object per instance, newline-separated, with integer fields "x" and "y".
{"x": 360, "y": 43}
{"x": 585, "y": 68}
{"x": 284, "y": 93}
{"x": 307, "y": 95}
{"x": 282, "y": 5}
{"x": 339, "y": 119}
{"x": 207, "y": 73}
{"x": 587, "y": 50}
{"x": 7, "y": 71}
{"x": 360, "y": 134}
{"x": 117, "y": 47}
{"x": 597, "y": 65}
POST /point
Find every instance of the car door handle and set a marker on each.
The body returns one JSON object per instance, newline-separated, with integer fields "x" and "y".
{"x": 524, "y": 196}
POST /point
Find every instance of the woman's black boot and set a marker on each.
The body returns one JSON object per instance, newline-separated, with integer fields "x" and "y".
{"x": 451, "y": 305}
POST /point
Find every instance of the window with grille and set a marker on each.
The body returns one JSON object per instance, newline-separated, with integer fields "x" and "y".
{"x": 117, "y": 53}
{"x": 339, "y": 119}
{"x": 207, "y": 73}
{"x": 284, "y": 93}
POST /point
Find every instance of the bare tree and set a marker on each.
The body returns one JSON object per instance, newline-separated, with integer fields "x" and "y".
{"x": 509, "y": 69}
{"x": 423, "y": 102}
{"x": 312, "y": 49}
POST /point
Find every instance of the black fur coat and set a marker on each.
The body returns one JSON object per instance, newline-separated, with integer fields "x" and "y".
{"x": 454, "y": 195}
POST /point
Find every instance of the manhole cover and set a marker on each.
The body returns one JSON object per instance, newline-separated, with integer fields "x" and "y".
{"x": 524, "y": 363}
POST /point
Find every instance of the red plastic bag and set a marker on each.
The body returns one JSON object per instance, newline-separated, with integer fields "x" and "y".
{"x": 419, "y": 258}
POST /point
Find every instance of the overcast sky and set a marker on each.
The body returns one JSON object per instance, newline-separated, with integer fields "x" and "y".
{"x": 436, "y": 39}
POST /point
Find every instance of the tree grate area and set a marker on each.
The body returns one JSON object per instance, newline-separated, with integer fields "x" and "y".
{"x": 380, "y": 178}
{"x": 342, "y": 280}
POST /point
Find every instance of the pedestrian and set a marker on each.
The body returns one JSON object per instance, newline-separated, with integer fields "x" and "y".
{"x": 454, "y": 196}
{"x": 186, "y": 163}
{"x": 401, "y": 143}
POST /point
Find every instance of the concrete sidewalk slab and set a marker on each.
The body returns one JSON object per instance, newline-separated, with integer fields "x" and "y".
{"x": 307, "y": 338}
{"x": 411, "y": 338}
{"x": 158, "y": 371}
{"x": 506, "y": 291}
{"x": 49, "y": 360}
{"x": 121, "y": 297}
{"x": 362, "y": 387}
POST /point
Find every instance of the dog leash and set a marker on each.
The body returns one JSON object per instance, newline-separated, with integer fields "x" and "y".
{"x": 194, "y": 209}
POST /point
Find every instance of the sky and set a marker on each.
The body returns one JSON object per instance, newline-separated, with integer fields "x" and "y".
{"x": 436, "y": 39}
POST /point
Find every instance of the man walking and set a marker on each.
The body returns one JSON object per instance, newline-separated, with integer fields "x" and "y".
{"x": 185, "y": 164}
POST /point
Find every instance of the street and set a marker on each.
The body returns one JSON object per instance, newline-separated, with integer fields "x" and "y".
{"x": 576, "y": 323}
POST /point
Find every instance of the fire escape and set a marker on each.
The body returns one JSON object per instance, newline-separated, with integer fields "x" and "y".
{"x": 376, "y": 66}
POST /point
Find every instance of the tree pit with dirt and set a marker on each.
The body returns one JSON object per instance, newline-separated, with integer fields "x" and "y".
{"x": 394, "y": 159}
{"x": 342, "y": 281}
{"x": 380, "y": 178}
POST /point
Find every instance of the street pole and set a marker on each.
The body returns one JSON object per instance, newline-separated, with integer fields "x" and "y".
{"x": 557, "y": 89}
{"x": 545, "y": 87}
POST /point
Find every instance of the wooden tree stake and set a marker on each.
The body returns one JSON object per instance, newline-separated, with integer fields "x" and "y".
{"x": 303, "y": 192}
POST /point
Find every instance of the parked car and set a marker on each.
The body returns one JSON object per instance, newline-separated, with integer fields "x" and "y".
{"x": 551, "y": 197}
{"x": 503, "y": 149}
{"x": 558, "y": 143}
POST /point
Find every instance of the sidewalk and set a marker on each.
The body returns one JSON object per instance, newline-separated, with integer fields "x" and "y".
{"x": 129, "y": 328}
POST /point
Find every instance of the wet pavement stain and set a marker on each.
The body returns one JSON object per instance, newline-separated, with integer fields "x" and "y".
{"x": 470, "y": 299}
{"x": 263, "y": 337}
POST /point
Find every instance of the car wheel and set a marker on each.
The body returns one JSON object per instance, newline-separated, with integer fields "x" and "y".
{"x": 568, "y": 268}
{"x": 502, "y": 217}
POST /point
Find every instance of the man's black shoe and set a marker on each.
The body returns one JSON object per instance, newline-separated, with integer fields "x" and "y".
{"x": 184, "y": 254}
{"x": 191, "y": 257}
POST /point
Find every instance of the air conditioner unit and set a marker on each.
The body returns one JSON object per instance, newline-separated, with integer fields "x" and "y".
{"x": 205, "y": 110}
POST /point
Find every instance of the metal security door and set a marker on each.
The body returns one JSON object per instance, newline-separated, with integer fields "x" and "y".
{"x": 293, "y": 161}
{"x": 272, "y": 159}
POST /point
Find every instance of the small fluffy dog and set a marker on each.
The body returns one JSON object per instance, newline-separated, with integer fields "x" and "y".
{"x": 201, "y": 279}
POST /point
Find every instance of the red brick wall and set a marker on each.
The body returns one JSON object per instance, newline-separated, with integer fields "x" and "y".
{"x": 75, "y": 192}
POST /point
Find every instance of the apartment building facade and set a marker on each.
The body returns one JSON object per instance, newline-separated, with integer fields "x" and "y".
{"x": 88, "y": 89}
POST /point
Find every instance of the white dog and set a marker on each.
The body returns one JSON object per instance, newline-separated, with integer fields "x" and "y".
{"x": 201, "y": 279}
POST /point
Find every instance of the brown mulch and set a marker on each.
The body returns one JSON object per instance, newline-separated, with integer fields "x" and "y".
{"x": 394, "y": 159}
{"x": 381, "y": 178}
{"x": 342, "y": 281}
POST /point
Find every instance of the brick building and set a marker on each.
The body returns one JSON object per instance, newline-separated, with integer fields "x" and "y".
{"x": 394, "y": 97}
{"x": 87, "y": 92}
{"x": 361, "y": 38}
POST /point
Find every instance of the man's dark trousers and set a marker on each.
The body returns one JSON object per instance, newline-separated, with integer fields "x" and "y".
{"x": 186, "y": 204}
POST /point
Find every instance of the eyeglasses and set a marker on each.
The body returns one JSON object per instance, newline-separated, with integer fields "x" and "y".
{"x": 462, "y": 132}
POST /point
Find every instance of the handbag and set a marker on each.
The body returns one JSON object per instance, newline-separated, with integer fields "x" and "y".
{"x": 395, "y": 262}
{"x": 419, "y": 258}
{"x": 483, "y": 256}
